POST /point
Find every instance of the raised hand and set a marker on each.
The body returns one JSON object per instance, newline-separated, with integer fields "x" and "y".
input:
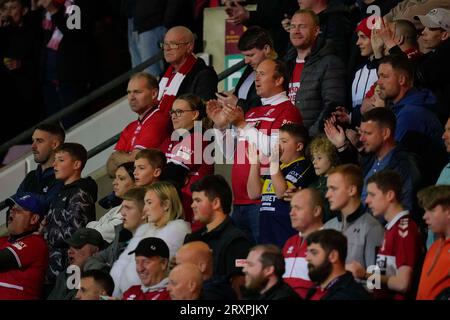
{"x": 237, "y": 14}
{"x": 334, "y": 133}
{"x": 215, "y": 112}
{"x": 342, "y": 115}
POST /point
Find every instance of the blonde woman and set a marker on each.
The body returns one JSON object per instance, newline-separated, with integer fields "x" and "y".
{"x": 164, "y": 212}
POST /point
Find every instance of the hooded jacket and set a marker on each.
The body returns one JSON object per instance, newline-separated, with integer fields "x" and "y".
{"x": 322, "y": 85}
{"x": 72, "y": 209}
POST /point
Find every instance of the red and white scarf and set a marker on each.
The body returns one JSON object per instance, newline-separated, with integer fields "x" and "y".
{"x": 169, "y": 84}
{"x": 47, "y": 24}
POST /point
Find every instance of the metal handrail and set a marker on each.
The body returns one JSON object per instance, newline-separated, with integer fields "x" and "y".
{"x": 83, "y": 102}
{"x": 108, "y": 143}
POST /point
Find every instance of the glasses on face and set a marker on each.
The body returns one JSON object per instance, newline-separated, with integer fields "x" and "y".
{"x": 179, "y": 112}
{"x": 171, "y": 45}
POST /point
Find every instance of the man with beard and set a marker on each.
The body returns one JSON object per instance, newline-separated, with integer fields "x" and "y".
{"x": 327, "y": 251}
{"x": 41, "y": 181}
{"x": 264, "y": 270}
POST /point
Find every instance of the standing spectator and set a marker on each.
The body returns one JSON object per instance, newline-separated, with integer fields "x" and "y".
{"x": 211, "y": 203}
{"x": 185, "y": 282}
{"x": 72, "y": 209}
{"x": 94, "y": 284}
{"x": 24, "y": 253}
{"x": 65, "y": 56}
{"x": 264, "y": 271}
{"x": 148, "y": 21}
{"x": 123, "y": 269}
{"x": 400, "y": 254}
{"x": 123, "y": 182}
{"x": 306, "y": 217}
{"x": 186, "y": 73}
{"x": 432, "y": 72}
{"x": 82, "y": 245}
{"x": 215, "y": 287}
{"x": 294, "y": 171}
{"x": 45, "y": 140}
{"x": 164, "y": 214}
{"x": 317, "y": 75}
{"x": 258, "y": 126}
{"x": 364, "y": 233}
{"x": 326, "y": 256}
{"x": 418, "y": 128}
{"x": 152, "y": 265}
{"x": 435, "y": 279}
{"x": 149, "y": 130}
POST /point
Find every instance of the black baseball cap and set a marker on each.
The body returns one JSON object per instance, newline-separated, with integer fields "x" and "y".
{"x": 151, "y": 247}
{"x": 85, "y": 236}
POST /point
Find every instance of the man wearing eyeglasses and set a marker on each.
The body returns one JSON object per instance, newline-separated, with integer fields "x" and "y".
{"x": 186, "y": 73}
{"x": 24, "y": 253}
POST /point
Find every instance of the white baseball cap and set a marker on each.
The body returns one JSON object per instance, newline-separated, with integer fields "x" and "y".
{"x": 436, "y": 18}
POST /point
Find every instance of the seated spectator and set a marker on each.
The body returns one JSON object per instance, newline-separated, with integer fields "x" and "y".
{"x": 324, "y": 157}
{"x": 211, "y": 203}
{"x": 150, "y": 129}
{"x": 24, "y": 253}
{"x": 306, "y": 217}
{"x": 152, "y": 265}
{"x": 200, "y": 254}
{"x": 366, "y": 75}
{"x": 184, "y": 149}
{"x": 432, "y": 71}
{"x": 444, "y": 177}
{"x": 123, "y": 182}
{"x": 46, "y": 139}
{"x": 326, "y": 256}
{"x": 164, "y": 212}
{"x": 94, "y": 284}
{"x": 148, "y": 166}
{"x": 401, "y": 252}
{"x": 258, "y": 126}
{"x": 123, "y": 269}
{"x": 82, "y": 245}
{"x": 185, "y": 282}
{"x": 418, "y": 128}
{"x": 364, "y": 233}
{"x": 264, "y": 271}
{"x": 255, "y": 45}
{"x": 317, "y": 75}
{"x": 434, "y": 279}
{"x": 294, "y": 171}
{"x": 72, "y": 209}
{"x": 380, "y": 152}
{"x": 186, "y": 73}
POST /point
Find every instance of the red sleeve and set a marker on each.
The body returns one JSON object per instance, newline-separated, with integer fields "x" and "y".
{"x": 28, "y": 250}
{"x": 289, "y": 115}
{"x": 153, "y": 133}
{"x": 408, "y": 242}
{"x": 123, "y": 143}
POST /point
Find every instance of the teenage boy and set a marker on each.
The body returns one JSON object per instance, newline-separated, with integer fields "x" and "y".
{"x": 295, "y": 171}
{"x": 72, "y": 209}
{"x": 398, "y": 256}
{"x": 148, "y": 166}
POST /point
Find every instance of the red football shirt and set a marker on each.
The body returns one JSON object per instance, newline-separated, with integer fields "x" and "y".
{"x": 266, "y": 119}
{"x": 25, "y": 283}
{"x": 148, "y": 132}
{"x": 296, "y": 274}
{"x": 136, "y": 293}
{"x": 401, "y": 247}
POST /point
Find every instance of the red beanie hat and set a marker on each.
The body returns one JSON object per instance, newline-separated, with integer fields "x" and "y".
{"x": 364, "y": 28}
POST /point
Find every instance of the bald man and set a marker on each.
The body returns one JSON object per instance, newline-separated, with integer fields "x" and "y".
{"x": 185, "y": 282}
{"x": 214, "y": 287}
{"x": 186, "y": 73}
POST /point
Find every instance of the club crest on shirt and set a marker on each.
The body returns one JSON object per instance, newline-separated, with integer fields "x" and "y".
{"x": 19, "y": 245}
{"x": 290, "y": 250}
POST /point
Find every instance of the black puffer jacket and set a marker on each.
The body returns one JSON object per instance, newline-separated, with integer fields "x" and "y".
{"x": 322, "y": 85}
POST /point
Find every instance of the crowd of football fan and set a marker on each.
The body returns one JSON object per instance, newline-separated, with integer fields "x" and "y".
{"x": 338, "y": 133}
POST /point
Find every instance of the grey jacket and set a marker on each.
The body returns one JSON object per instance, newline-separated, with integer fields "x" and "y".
{"x": 104, "y": 259}
{"x": 322, "y": 85}
{"x": 364, "y": 235}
